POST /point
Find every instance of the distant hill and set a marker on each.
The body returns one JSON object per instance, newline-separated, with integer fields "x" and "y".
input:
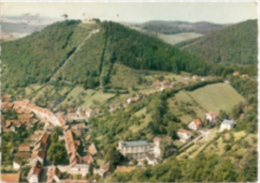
{"x": 236, "y": 44}
{"x": 81, "y": 53}
{"x": 12, "y": 30}
{"x": 174, "y": 27}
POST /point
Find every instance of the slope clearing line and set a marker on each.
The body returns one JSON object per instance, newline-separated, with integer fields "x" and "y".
{"x": 72, "y": 55}
{"x": 195, "y": 101}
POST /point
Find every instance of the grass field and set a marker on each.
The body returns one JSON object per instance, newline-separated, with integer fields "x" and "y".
{"x": 216, "y": 97}
{"x": 176, "y": 38}
{"x": 95, "y": 98}
{"x": 183, "y": 106}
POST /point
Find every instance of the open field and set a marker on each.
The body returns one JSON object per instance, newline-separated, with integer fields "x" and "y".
{"x": 176, "y": 38}
{"x": 216, "y": 97}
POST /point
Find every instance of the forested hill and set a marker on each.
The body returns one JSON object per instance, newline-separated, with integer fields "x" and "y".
{"x": 83, "y": 53}
{"x": 174, "y": 27}
{"x": 236, "y": 44}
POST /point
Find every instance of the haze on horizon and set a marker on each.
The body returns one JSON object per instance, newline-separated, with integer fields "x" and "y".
{"x": 138, "y": 12}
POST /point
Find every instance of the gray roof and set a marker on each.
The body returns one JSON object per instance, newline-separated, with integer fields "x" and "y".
{"x": 137, "y": 143}
{"x": 228, "y": 122}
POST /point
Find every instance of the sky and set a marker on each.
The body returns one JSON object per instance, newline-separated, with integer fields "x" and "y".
{"x": 138, "y": 12}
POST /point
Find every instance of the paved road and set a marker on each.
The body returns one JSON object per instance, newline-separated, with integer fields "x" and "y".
{"x": 202, "y": 134}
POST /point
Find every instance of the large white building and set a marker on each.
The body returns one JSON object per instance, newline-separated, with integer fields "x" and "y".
{"x": 227, "y": 125}
{"x": 139, "y": 149}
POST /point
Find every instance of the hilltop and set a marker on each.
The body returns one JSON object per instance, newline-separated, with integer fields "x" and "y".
{"x": 56, "y": 52}
{"x": 233, "y": 45}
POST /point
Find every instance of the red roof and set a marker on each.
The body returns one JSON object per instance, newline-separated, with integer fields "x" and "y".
{"x": 184, "y": 131}
{"x": 92, "y": 149}
{"x": 24, "y": 147}
{"x": 166, "y": 82}
{"x": 245, "y": 76}
{"x": 61, "y": 120}
{"x": 10, "y": 177}
{"x": 236, "y": 74}
{"x": 213, "y": 114}
{"x": 197, "y": 122}
{"x": 87, "y": 159}
{"x": 157, "y": 83}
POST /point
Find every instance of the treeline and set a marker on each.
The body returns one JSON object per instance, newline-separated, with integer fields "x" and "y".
{"x": 233, "y": 45}
{"x": 174, "y": 27}
{"x": 246, "y": 113}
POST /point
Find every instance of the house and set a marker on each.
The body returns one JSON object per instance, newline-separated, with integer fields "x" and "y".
{"x": 105, "y": 170}
{"x": 17, "y": 163}
{"x": 157, "y": 83}
{"x": 195, "y": 77}
{"x": 227, "y": 125}
{"x": 212, "y": 117}
{"x": 24, "y": 148}
{"x": 92, "y": 149}
{"x": 166, "y": 82}
{"x": 157, "y": 150}
{"x": 54, "y": 175}
{"x": 87, "y": 159}
{"x": 61, "y": 119}
{"x": 78, "y": 168}
{"x": 245, "y": 76}
{"x": 135, "y": 149}
{"x": 236, "y": 74}
{"x": 184, "y": 135}
{"x": 10, "y": 177}
{"x": 34, "y": 173}
{"x": 133, "y": 99}
{"x": 7, "y": 105}
{"x": 89, "y": 113}
{"x": 195, "y": 124}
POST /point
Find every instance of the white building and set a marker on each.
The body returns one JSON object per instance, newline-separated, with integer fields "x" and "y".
{"x": 135, "y": 149}
{"x": 17, "y": 164}
{"x": 195, "y": 124}
{"x": 227, "y": 125}
{"x": 184, "y": 135}
{"x": 82, "y": 169}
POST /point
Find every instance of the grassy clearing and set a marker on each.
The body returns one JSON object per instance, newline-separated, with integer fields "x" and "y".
{"x": 216, "y": 97}
{"x": 185, "y": 107}
{"x": 144, "y": 122}
{"x": 73, "y": 95}
{"x": 176, "y": 38}
{"x": 94, "y": 98}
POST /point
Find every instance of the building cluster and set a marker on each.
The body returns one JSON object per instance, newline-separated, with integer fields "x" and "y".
{"x": 162, "y": 85}
{"x": 80, "y": 114}
{"x": 237, "y": 74}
